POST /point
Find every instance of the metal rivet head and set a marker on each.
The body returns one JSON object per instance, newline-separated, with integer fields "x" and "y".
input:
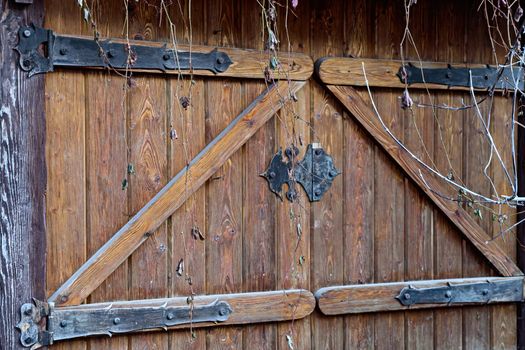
{"x": 28, "y": 339}
{"x": 169, "y": 316}
{"x": 332, "y": 173}
{"x": 63, "y": 323}
{"x": 63, "y": 51}
{"x": 271, "y": 175}
{"x": 26, "y": 63}
{"x": 406, "y": 296}
{"x": 220, "y": 60}
{"x": 317, "y": 152}
{"x": 110, "y": 54}
{"x": 116, "y": 320}
{"x": 27, "y": 33}
{"x": 485, "y": 292}
{"x": 317, "y": 192}
{"x": 166, "y": 56}
{"x": 223, "y": 311}
{"x": 448, "y": 294}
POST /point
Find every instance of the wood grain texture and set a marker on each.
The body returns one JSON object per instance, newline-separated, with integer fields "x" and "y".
{"x": 247, "y": 308}
{"x": 326, "y": 242}
{"x": 22, "y": 176}
{"x": 448, "y": 157}
{"x": 470, "y": 229}
{"x": 380, "y": 297}
{"x": 171, "y": 197}
{"x": 380, "y": 72}
{"x": 259, "y": 205}
{"x": 246, "y": 63}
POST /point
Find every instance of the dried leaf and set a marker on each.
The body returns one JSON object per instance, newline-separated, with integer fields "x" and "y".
{"x": 80, "y": 2}
{"x": 295, "y": 3}
{"x": 406, "y": 100}
{"x": 478, "y": 213}
{"x": 180, "y": 267}
{"x": 301, "y": 260}
{"x": 518, "y": 14}
{"x": 299, "y": 231}
{"x": 86, "y": 14}
{"x": 173, "y": 134}
{"x": 124, "y": 184}
{"x": 197, "y": 234}
{"x": 131, "y": 169}
{"x": 289, "y": 340}
{"x": 274, "y": 63}
{"x": 184, "y": 102}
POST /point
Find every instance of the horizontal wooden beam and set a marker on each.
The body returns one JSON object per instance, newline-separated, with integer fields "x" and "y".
{"x": 431, "y": 186}
{"x": 380, "y": 73}
{"x": 124, "y": 242}
{"x": 246, "y": 63}
{"x": 380, "y": 297}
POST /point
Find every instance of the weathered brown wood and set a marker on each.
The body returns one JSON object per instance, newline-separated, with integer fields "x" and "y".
{"x": 246, "y": 63}
{"x": 380, "y": 72}
{"x": 470, "y": 229}
{"x": 224, "y": 192}
{"x": 66, "y": 198}
{"x": 389, "y": 191}
{"x": 22, "y": 175}
{"x": 247, "y": 308}
{"x": 259, "y": 205}
{"x": 380, "y": 297}
{"x": 448, "y": 157}
{"x": 172, "y": 196}
{"x": 327, "y": 215}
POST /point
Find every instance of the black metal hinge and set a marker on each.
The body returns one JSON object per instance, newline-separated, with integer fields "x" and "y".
{"x": 481, "y": 78}
{"x": 41, "y": 50}
{"x": 465, "y": 293}
{"x": 315, "y": 172}
{"x": 41, "y": 324}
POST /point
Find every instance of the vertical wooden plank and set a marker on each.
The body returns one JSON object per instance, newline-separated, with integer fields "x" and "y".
{"x": 327, "y": 216}
{"x": 293, "y": 219}
{"x": 448, "y": 150}
{"x": 148, "y": 157}
{"x": 358, "y": 175}
{"x": 476, "y": 321}
{"x": 389, "y": 184}
{"x": 186, "y": 139}
{"x": 65, "y": 153}
{"x": 106, "y": 149}
{"x": 224, "y": 190}
{"x": 504, "y": 322}
{"x": 419, "y": 138}
{"x": 258, "y": 265}
{"x": 22, "y": 176}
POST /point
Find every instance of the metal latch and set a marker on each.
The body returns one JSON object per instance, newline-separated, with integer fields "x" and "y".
{"x": 465, "y": 293}
{"x": 41, "y": 50}
{"x": 482, "y": 78}
{"x": 41, "y": 324}
{"x": 315, "y": 172}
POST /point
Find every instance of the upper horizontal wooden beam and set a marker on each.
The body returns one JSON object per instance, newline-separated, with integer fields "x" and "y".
{"x": 380, "y": 73}
{"x": 431, "y": 186}
{"x": 381, "y": 297}
{"x": 246, "y": 63}
{"x": 124, "y": 242}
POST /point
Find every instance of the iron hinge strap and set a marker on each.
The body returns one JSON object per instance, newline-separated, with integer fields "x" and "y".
{"x": 41, "y": 50}
{"x": 41, "y": 324}
{"x": 464, "y": 293}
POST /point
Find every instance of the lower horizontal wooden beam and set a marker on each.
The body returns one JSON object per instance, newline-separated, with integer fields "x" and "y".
{"x": 125, "y": 317}
{"x": 380, "y": 297}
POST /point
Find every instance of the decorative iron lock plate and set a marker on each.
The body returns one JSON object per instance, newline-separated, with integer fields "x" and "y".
{"x": 465, "y": 293}
{"x": 41, "y": 324}
{"x": 482, "y": 78}
{"x": 41, "y": 50}
{"x": 315, "y": 172}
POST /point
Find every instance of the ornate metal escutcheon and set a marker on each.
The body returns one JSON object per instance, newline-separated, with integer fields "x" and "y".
{"x": 41, "y": 50}
{"x": 315, "y": 172}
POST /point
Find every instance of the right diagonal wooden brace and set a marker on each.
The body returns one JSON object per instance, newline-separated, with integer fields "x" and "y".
{"x": 124, "y": 242}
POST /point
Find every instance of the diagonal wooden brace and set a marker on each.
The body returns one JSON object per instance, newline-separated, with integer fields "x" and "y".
{"x": 124, "y": 242}
{"x": 366, "y": 117}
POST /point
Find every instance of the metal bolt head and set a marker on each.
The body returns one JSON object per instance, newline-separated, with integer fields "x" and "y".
{"x": 406, "y": 296}
{"x": 317, "y": 152}
{"x": 116, "y": 320}
{"x": 317, "y": 192}
{"x": 170, "y": 316}
{"x": 332, "y": 173}
{"x": 63, "y": 323}
{"x": 166, "y": 56}
{"x": 220, "y": 60}
{"x": 485, "y": 292}
{"x": 63, "y": 51}
{"x": 27, "y": 33}
{"x": 448, "y": 294}
{"x": 223, "y": 311}
{"x": 271, "y": 175}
